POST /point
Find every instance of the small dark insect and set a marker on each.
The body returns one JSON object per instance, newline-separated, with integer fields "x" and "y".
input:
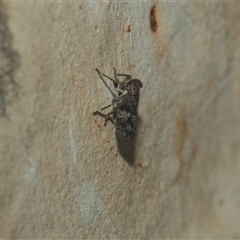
{"x": 125, "y": 105}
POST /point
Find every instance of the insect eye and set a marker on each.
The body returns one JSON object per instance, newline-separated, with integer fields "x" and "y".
{"x": 135, "y": 82}
{"x": 115, "y": 84}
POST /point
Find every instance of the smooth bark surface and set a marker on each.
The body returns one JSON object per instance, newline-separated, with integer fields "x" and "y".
{"x": 64, "y": 175}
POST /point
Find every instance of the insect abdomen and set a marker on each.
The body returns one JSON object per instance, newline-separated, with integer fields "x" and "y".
{"x": 126, "y": 118}
{"x": 126, "y": 128}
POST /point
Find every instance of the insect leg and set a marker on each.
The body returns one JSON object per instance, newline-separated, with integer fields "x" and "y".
{"x": 106, "y": 107}
{"x": 100, "y": 75}
{"x": 116, "y": 83}
{"x": 108, "y": 118}
{"x": 96, "y": 112}
{"x": 115, "y": 75}
{"x": 113, "y": 80}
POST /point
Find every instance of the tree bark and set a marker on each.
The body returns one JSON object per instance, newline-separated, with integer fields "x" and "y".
{"x": 64, "y": 174}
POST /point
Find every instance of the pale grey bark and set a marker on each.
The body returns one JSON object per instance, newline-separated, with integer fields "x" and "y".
{"x": 63, "y": 174}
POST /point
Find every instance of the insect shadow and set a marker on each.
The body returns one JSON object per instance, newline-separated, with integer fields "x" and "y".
{"x": 126, "y": 149}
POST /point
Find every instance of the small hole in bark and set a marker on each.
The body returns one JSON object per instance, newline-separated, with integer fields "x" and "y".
{"x": 153, "y": 19}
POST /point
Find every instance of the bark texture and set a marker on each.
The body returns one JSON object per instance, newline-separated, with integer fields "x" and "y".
{"x": 64, "y": 175}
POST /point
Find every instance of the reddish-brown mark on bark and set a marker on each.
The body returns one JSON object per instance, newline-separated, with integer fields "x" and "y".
{"x": 153, "y": 19}
{"x": 183, "y": 135}
{"x": 128, "y": 29}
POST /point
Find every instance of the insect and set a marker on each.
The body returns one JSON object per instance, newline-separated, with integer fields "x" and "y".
{"x": 124, "y": 103}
